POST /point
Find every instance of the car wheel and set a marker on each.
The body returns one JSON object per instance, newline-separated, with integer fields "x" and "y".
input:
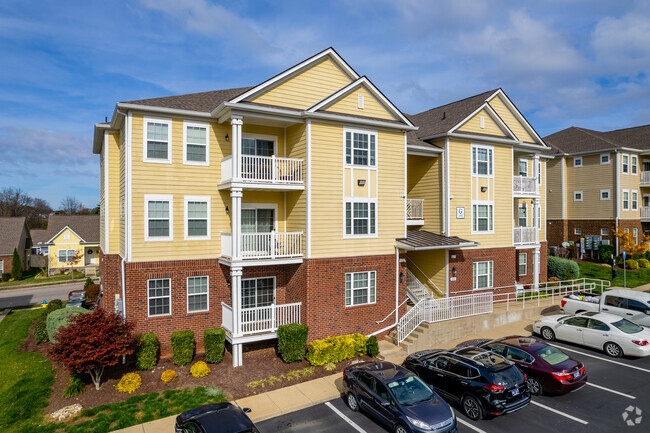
{"x": 353, "y": 403}
{"x": 534, "y": 386}
{"x": 401, "y": 429}
{"x": 613, "y": 350}
{"x": 547, "y": 333}
{"x": 472, "y": 408}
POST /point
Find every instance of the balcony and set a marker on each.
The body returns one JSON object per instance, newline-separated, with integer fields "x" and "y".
{"x": 645, "y": 214}
{"x": 259, "y": 323}
{"x": 277, "y": 246}
{"x": 263, "y": 172}
{"x": 414, "y": 212}
{"x": 645, "y": 178}
{"x": 525, "y": 235}
{"x": 523, "y": 186}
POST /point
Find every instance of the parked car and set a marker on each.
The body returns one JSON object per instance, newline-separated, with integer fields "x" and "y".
{"x": 629, "y": 304}
{"x": 483, "y": 382}
{"x": 548, "y": 369}
{"x": 397, "y": 398}
{"x": 215, "y": 418}
{"x": 612, "y": 334}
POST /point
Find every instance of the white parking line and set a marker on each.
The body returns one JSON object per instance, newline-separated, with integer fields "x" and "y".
{"x": 345, "y": 418}
{"x": 611, "y": 390}
{"x": 559, "y": 412}
{"x": 473, "y": 427}
{"x": 602, "y": 359}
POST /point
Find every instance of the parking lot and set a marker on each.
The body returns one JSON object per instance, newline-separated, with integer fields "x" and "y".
{"x": 615, "y": 387}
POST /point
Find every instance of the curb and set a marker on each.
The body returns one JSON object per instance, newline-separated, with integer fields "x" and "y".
{"x": 53, "y": 283}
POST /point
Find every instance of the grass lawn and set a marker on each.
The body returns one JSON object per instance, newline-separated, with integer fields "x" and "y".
{"x": 27, "y": 380}
{"x": 634, "y": 277}
{"x": 29, "y": 277}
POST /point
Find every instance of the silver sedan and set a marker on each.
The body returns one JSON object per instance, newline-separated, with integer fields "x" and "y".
{"x": 612, "y": 334}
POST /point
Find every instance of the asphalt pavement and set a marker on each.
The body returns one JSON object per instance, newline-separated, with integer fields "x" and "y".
{"x": 36, "y": 295}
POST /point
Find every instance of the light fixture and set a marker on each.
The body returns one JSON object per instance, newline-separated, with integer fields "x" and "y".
{"x": 361, "y": 182}
{"x": 401, "y": 277}
{"x": 483, "y": 188}
{"x": 227, "y": 211}
{"x": 227, "y": 138}
{"x": 453, "y": 271}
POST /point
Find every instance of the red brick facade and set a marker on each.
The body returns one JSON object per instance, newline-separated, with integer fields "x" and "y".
{"x": 7, "y": 262}
{"x": 559, "y": 231}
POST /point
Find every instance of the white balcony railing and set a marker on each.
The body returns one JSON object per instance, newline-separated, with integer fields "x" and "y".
{"x": 260, "y": 319}
{"x": 414, "y": 209}
{"x": 524, "y": 185}
{"x": 645, "y": 178}
{"x": 264, "y": 169}
{"x": 525, "y": 235}
{"x": 273, "y": 245}
{"x": 645, "y": 213}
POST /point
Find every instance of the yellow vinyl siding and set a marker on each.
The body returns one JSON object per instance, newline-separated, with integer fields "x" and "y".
{"x": 629, "y": 182}
{"x": 296, "y": 203}
{"x": 122, "y": 199}
{"x": 474, "y": 125}
{"x": 327, "y": 216}
{"x": 102, "y": 194}
{"x": 353, "y": 175}
{"x": 112, "y": 204}
{"x": 424, "y": 183}
{"x": 429, "y": 268}
{"x": 349, "y": 104}
{"x": 542, "y": 203}
{"x": 60, "y": 243}
{"x": 554, "y": 188}
{"x": 307, "y": 87}
{"x": 590, "y": 179}
{"x": 510, "y": 120}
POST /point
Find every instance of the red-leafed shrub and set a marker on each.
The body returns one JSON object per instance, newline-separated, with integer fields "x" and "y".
{"x": 92, "y": 342}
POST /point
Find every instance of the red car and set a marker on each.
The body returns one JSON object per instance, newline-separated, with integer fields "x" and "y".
{"x": 549, "y": 370}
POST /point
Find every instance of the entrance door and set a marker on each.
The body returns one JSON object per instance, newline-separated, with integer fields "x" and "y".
{"x": 253, "y": 168}
{"x": 255, "y": 294}
{"x": 256, "y": 226}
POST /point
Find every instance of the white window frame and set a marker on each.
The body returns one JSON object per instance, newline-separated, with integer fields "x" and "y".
{"x": 156, "y": 197}
{"x": 606, "y": 191}
{"x": 352, "y": 201}
{"x": 539, "y": 173}
{"x": 635, "y": 235}
{"x": 577, "y": 231}
{"x": 197, "y": 198}
{"x": 265, "y": 137}
{"x": 606, "y": 155}
{"x": 149, "y": 298}
{"x": 360, "y": 100}
{"x": 490, "y": 161}
{"x": 66, "y": 236}
{"x": 2, "y": 267}
{"x": 490, "y": 205}
{"x": 634, "y": 199}
{"x": 575, "y": 196}
{"x": 577, "y": 161}
{"x": 369, "y": 133}
{"x": 187, "y": 123}
{"x": 524, "y": 263}
{"x": 523, "y": 206}
{"x": 58, "y": 255}
{"x": 145, "y": 123}
{"x": 634, "y": 165}
{"x": 207, "y": 293}
{"x": 604, "y": 231}
{"x": 525, "y": 161}
{"x": 625, "y": 166}
{"x": 372, "y": 289}
{"x": 256, "y": 279}
{"x": 490, "y": 275}
{"x": 624, "y": 207}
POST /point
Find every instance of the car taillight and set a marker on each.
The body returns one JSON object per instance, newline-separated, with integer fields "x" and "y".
{"x": 640, "y": 342}
{"x": 563, "y": 303}
{"x": 562, "y": 376}
{"x": 582, "y": 370}
{"x": 525, "y": 377}
{"x": 494, "y": 388}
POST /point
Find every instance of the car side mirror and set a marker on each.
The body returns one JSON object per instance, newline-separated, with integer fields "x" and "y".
{"x": 385, "y": 403}
{"x": 247, "y": 410}
{"x": 647, "y": 312}
{"x": 178, "y": 429}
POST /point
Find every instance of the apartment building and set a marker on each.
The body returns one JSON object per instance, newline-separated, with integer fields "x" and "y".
{"x": 598, "y": 180}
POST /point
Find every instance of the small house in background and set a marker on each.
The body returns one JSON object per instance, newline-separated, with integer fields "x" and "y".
{"x": 72, "y": 241}
{"x": 13, "y": 235}
{"x": 39, "y": 242}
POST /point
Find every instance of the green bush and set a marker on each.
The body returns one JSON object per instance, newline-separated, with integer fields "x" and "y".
{"x": 89, "y": 281}
{"x": 632, "y": 264}
{"x": 372, "y": 347}
{"x": 16, "y": 266}
{"x": 605, "y": 253}
{"x": 214, "y": 342}
{"x": 183, "y": 346}
{"x": 146, "y": 354}
{"x": 644, "y": 263}
{"x": 53, "y": 305}
{"x": 40, "y": 328}
{"x": 292, "y": 341}
{"x": 563, "y": 269}
{"x": 59, "y": 318}
{"x": 6, "y": 276}
{"x": 336, "y": 349}
{"x": 75, "y": 387}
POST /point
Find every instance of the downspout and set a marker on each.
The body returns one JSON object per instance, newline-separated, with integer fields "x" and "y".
{"x": 396, "y": 297}
{"x": 618, "y": 199}
{"x": 448, "y": 186}
{"x": 123, "y": 291}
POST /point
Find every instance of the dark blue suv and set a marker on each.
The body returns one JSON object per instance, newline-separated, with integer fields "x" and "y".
{"x": 397, "y": 398}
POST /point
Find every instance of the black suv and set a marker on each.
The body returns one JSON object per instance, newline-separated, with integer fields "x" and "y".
{"x": 483, "y": 383}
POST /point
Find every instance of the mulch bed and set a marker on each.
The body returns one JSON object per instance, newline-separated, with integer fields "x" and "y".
{"x": 260, "y": 362}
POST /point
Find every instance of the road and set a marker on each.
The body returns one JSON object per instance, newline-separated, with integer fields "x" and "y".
{"x": 35, "y": 295}
{"x": 614, "y": 386}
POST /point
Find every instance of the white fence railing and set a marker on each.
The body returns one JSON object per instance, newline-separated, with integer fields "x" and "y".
{"x": 415, "y": 289}
{"x": 524, "y": 185}
{"x": 261, "y": 319}
{"x": 645, "y": 212}
{"x": 415, "y": 209}
{"x": 645, "y": 177}
{"x": 268, "y": 169}
{"x": 273, "y": 245}
{"x": 524, "y": 235}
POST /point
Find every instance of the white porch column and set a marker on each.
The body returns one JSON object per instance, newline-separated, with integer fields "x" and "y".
{"x": 236, "y": 122}
{"x": 235, "y": 286}
{"x": 536, "y": 268}
{"x": 536, "y": 219}
{"x": 536, "y": 172}
{"x": 235, "y": 203}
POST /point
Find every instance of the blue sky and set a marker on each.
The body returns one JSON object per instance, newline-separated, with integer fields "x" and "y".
{"x": 64, "y": 65}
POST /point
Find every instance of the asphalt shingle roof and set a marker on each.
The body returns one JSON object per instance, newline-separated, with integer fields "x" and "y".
{"x": 86, "y": 226}
{"x": 203, "y": 102}
{"x": 11, "y": 228}
{"x": 38, "y": 236}
{"x": 575, "y": 139}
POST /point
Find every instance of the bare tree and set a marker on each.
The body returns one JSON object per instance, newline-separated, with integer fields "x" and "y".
{"x": 71, "y": 206}
{"x": 15, "y": 202}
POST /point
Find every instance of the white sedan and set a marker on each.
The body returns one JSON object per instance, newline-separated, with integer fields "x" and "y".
{"x": 612, "y": 334}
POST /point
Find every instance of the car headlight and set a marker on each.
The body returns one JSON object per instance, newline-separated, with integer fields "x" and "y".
{"x": 418, "y": 423}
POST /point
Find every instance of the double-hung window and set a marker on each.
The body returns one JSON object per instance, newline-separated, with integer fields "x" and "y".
{"x": 635, "y": 200}
{"x": 159, "y": 297}
{"x": 196, "y": 143}
{"x": 626, "y": 199}
{"x": 360, "y": 288}
{"x": 483, "y": 274}
{"x": 158, "y": 217}
{"x": 482, "y": 216}
{"x": 522, "y": 217}
{"x": 197, "y": 217}
{"x": 523, "y": 168}
{"x": 539, "y": 173}
{"x": 360, "y": 218}
{"x": 66, "y": 256}
{"x": 2, "y": 266}
{"x": 360, "y": 148}
{"x": 523, "y": 262}
{"x": 197, "y": 294}
{"x": 482, "y": 160}
{"x": 634, "y": 164}
{"x": 157, "y": 140}
{"x": 626, "y": 164}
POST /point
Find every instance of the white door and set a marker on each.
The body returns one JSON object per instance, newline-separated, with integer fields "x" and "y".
{"x": 256, "y": 226}
{"x": 596, "y": 334}
{"x": 571, "y": 329}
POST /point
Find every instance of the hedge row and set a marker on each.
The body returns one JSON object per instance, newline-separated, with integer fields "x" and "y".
{"x": 563, "y": 269}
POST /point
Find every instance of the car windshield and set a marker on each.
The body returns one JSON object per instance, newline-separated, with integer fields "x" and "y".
{"x": 410, "y": 390}
{"x": 508, "y": 377}
{"x": 551, "y": 355}
{"x": 627, "y": 326}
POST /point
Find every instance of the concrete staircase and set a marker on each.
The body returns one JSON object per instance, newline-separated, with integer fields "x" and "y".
{"x": 390, "y": 352}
